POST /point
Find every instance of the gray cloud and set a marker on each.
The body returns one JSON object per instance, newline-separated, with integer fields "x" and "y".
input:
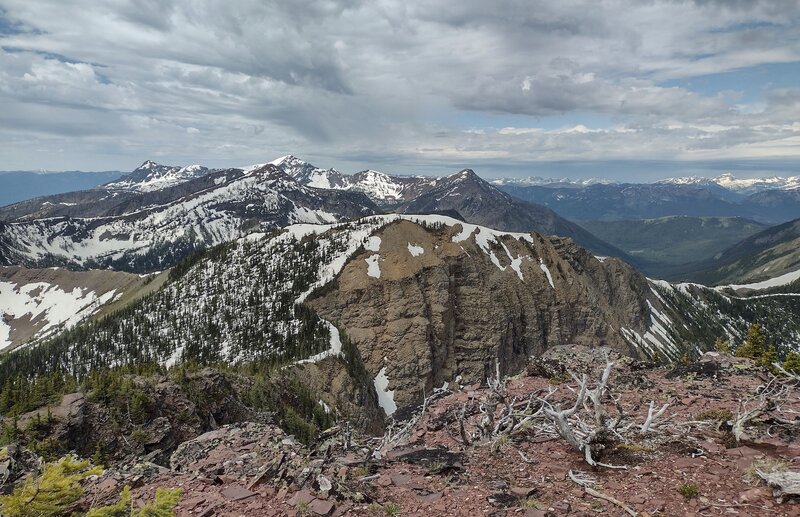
{"x": 108, "y": 83}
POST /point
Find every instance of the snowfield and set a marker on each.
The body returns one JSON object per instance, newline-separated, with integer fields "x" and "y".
{"x": 46, "y": 306}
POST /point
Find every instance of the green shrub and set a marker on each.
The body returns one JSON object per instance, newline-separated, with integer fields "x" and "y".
{"x": 50, "y": 494}
{"x": 755, "y": 345}
{"x": 689, "y": 490}
{"x": 162, "y": 506}
{"x": 792, "y": 362}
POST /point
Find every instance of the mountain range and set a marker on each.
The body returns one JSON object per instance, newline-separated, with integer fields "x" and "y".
{"x": 155, "y": 216}
{"x": 726, "y": 181}
{"x": 282, "y": 303}
{"x": 611, "y": 202}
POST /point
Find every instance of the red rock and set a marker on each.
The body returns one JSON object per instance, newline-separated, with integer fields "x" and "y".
{"x": 193, "y": 502}
{"x": 689, "y": 463}
{"x": 303, "y": 496}
{"x": 107, "y": 484}
{"x": 535, "y": 513}
{"x": 523, "y": 491}
{"x": 754, "y": 494}
{"x": 637, "y": 499}
{"x": 320, "y": 507}
{"x": 428, "y": 498}
{"x": 255, "y": 505}
{"x": 742, "y": 452}
{"x": 398, "y": 480}
{"x": 237, "y": 493}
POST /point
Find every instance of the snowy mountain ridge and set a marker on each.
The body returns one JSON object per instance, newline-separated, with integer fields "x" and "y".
{"x": 561, "y": 182}
{"x": 151, "y": 176}
{"x": 154, "y": 237}
{"x": 739, "y": 185}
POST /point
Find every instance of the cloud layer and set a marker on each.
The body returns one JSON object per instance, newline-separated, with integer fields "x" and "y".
{"x": 415, "y": 85}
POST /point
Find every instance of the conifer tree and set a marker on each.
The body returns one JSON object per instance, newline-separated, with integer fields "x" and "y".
{"x": 50, "y": 494}
{"x": 755, "y": 345}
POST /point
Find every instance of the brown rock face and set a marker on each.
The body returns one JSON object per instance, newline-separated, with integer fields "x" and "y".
{"x": 446, "y": 303}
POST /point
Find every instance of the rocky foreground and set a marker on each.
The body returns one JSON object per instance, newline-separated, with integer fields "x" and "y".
{"x": 726, "y": 444}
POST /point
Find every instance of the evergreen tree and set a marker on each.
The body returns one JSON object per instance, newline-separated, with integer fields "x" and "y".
{"x": 50, "y": 494}
{"x": 755, "y": 345}
{"x": 792, "y": 362}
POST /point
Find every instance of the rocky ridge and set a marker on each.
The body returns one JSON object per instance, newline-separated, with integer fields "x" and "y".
{"x": 687, "y": 463}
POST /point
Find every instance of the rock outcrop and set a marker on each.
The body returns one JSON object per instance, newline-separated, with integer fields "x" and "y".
{"x": 428, "y": 303}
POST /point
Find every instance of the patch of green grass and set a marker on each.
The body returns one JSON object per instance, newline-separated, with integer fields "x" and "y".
{"x": 689, "y": 490}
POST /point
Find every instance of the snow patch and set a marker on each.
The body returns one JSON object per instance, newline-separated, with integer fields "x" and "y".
{"x": 385, "y": 395}
{"x": 373, "y": 243}
{"x": 778, "y": 281}
{"x": 335, "y": 349}
{"x": 373, "y": 268}
{"x": 544, "y": 268}
{"x": 415, "y": 250}
{"x": 47, "y": 305}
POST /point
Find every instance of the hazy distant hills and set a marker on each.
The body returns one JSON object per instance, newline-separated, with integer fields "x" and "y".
{"x": 20, "y": 185}
{"x": 770, "y": 200}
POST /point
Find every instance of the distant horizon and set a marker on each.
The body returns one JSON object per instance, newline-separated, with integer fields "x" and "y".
{"x": 617, "y": 171}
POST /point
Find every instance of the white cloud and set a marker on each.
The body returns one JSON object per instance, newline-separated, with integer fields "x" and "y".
{"x": 114, "y": 82}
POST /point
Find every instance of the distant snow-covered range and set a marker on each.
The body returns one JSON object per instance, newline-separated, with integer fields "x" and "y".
{"x": 551, "y": 182}
{"x": 727, "y": 181}
{"x": 743, "y": 185}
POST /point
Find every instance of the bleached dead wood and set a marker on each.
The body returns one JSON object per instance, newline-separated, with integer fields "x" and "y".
{"x": 586, "y": 484}
{"x": 783, "y": 484}
{"x": 766, "y": 399}
{"x": 651, "y": 416}
{"x": 577, "y": 433}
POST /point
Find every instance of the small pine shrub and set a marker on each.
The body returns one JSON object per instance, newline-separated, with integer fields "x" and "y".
{"x": 119, "y": 509}
{"x": 50, "y": 494}
{"x": 391, "y": 509}
{"x": 755, "y": 344}
{"x": 792, "y": 362}
{"x": 162, "y": 506}
{"x": 722, "y": 345}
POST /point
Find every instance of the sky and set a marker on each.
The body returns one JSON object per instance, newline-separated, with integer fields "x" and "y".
{"x": 626, "y": 90}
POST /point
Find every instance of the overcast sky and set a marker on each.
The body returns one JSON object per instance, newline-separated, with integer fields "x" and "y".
{"x": 621, "y": 89}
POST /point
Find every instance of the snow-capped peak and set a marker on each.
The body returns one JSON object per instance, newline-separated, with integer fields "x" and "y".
{"x": 377, "y": 185}
{"x": 308, "y": 174}
{"x": 149, "y": 165}
{"x": 152, "y": 176}
{"x": 289, "y": 161}
{"x": 687, "y": 180}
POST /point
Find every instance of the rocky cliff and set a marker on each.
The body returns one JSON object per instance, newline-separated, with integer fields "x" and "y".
{"x": 427, "y": 303}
